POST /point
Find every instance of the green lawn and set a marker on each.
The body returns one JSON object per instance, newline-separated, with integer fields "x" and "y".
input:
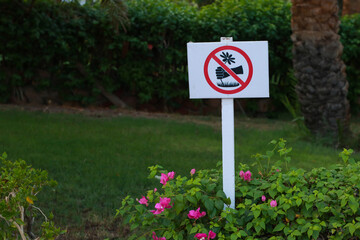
{"x": 97, "y": 161}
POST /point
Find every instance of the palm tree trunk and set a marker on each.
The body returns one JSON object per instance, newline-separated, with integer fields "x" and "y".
{"x": 322, "y": 86}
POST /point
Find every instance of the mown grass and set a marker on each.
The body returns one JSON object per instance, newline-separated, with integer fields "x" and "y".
{"x": 97, "y": 161}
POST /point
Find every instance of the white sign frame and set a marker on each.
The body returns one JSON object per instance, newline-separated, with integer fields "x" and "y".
{"x": 199, "y": 66}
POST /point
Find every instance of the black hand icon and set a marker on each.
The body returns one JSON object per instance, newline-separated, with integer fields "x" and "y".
{"x": 221, "y": 73}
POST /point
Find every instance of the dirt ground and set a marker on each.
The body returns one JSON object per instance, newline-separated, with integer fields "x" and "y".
{"x": 213, "y": 120}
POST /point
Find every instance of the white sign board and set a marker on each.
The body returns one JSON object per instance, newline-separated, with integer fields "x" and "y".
{"x": 228, "y": 69}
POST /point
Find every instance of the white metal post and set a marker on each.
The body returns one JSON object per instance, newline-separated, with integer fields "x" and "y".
{"x": 228, "y": 146}
{"x": 228, "y": 143}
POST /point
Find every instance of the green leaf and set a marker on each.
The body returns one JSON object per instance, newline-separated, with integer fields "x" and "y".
{"x": 258, "y": 228}
{"x": 258, "y": 194}
{"x": 256, "y": 213}
{"x": 279, "y": 227}
{"x": 233, "y": 236}
{"x": 296, "y": 233}
{"x": 152, "y": 174}
{"x": 210, "y": 187}
{"x": 249, "y": 226}
{"x": 230, "y": 218}
{"x": 179, "y": 206}
{"x": 343, "y": 201}
{"x": 290, "y": 215}
{"x": 310, "y": 232}
{"x": 298, "y": 201}
{"x": 352, "y": 228}
{"x": 248, "y": 202}
{"x": 219, "y": 204}
{"x": 179, "y": 198}
{"x": 227, "y": 201}
{"x": 262, "y": 224}
{"x": 286, "y": 206}
{"x": 272, "y": 193}
{"x": 317, "y": 228}
{"x": 140, "y": 208}
{"x": 353, "y": 204}
{"x": 194, "y": 230}
{"x": 133, "y": 226}
{"x": 242, "y": 233}
{"x": 305, "y": 227}
{"x": 221, "y": 194}
{"x": 209, "y": 205}
{"x": 191, "y": 199}
{"x": 300, "y": 221}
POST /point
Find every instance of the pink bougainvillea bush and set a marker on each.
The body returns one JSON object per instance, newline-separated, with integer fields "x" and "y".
{"x": 272, "y": 202}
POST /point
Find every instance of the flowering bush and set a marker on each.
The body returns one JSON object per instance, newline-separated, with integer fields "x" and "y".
{"x": 271, "y": 204}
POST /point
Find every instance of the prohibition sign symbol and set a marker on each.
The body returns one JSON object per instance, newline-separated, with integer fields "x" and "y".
{"x": 243, "y": 84}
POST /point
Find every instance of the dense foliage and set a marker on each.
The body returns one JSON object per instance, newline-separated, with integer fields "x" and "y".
{"x": 273, "y": 204}
{"x": 68, "y": 52}
{"x": 62, "y": 48}
{"x": 19, "y": 187}
{"x": 350, "y": 38}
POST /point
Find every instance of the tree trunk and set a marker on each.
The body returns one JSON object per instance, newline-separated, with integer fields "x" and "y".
{"x": 322, "y": 86}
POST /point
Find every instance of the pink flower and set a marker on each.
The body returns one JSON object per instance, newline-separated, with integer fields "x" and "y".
{"x": 144, "y": 201}
{"x": 160, "y": 207}
{"x": 203, "y": 236}
{"x": 247, "y": 176}
{"x": 273, "y": 203}
{"x": 171, "y": 175}
{"x": 196, "y": 214}
{"x": 157, "y": 238}
{"x": 277, "y": 170}
{"x": 263, "y": 198}
{"x": 155, "y": 190}
{"x": 242, "y": 174}
{"x": 212, "y": 235}
{"x": 165, "y": 202}
{"x": 164, "y": 178}
{"x": 192, "y": 172}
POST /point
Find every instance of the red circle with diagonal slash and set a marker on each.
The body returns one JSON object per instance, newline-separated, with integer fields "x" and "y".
{"x": 243, "y": 84}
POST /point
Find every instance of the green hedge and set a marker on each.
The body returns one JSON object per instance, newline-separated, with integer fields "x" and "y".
{"x": 156, "y": 59}
{"x": 63, "y": 48}
{"x": 71, "y": 49}
{"x": 350, "y": 38}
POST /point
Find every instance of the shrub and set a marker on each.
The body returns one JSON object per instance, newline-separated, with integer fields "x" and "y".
{"x": 274, "y": 204}
{"x": 20, "y": 184}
